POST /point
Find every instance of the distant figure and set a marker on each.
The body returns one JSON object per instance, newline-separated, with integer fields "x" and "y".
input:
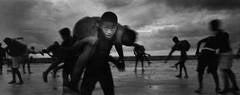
{"x": 207, "y": 58}
{"x": 2, "y": 57}
{"x": 147, "y": 58}
{"x": 17, "y": 51}
{"x": 139, "y": 52}
{"x": 29, "y": 59}
{"x": 226, "y": 56}
{"x": 32, "y": 51}
{"x": 54, "y": 52}
{"x": 182, "y": 46}
{"x": 68, "y": 58}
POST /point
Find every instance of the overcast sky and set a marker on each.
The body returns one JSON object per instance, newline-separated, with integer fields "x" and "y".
{"x": 156, "y": 21}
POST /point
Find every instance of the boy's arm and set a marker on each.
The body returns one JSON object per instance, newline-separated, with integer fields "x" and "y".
{"x": 134, "y": 51}
{"x": 198, "y": 47}
{"x": 116, "y": 63}
{"x": 199, "y": 44}
{"x": 169, "y": 55}
{"x": 121, "y": 62}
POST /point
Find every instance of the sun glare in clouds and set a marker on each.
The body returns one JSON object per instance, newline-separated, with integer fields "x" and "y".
{"x": 154, "y": 28}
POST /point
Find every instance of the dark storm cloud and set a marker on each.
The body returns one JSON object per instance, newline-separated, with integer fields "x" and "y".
{"x": 115, "y": 3}
{"x": 14, "y": 13}
{"x": 24, "y": 18}
{"x": 205, "y": 4}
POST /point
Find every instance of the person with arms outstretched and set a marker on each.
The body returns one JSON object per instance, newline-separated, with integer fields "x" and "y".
{"x": 182, "y": 46}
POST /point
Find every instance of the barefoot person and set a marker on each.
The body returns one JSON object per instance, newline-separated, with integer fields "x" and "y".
{"x": 139, "y": 52}
{"x": 182, "y": 46}
{"x": 207, "y": 58}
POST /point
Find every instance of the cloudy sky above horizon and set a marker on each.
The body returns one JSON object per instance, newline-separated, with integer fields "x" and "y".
{"x": 156, "y": 21}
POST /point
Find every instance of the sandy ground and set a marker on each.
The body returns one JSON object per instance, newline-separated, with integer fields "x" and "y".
{"x": 158, "y": 79}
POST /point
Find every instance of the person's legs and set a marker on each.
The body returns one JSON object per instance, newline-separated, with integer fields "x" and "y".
{"x": 52, "y": 66}
{"x": 175, "y": 65}
{"x": 136, "y": 62}
{"x": 180, "y": 71}
{"x": 185, "y": 69}
{"x": 55, "y": 70}
{"x": 13, "y": 77}
{"x": 216, "y": 80}
{"x": 232, "y": 78}
{"x": 65, "y": 76}
{"x": 19, "y": 76}
{"x": 225, "y": 81}
{"x": 23, "y": 66}
{"x": 106, "y": 83}
{"x": 1, "y": 66}
{"x": 200, "y": 81}
{"x": 181, "y": 66}
{"x": 142, "y": 59}
{"x": 88, "y": 85}
{"x": 28, "y": 66}
{"x": 201, "y": 66}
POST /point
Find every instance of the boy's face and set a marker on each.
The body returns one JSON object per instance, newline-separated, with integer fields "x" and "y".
{"x": 108, "y": 29}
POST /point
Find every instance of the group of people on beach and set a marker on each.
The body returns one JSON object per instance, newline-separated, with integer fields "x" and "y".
{"x": 216, "y": 55}
{"x": 88, "y": 51}
{"x": 20, "y": 55}
{"x": 84, "y": 55}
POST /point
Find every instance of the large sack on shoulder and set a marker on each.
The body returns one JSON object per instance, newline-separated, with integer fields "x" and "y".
{"x": 16, "y": 48}
{"x": 185, "y": 45}
{"x": 88, "y": 26}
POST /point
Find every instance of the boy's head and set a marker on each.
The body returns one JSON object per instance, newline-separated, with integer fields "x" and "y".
{"x": 215, "y": 25}
{"x": 32, "y": 48}
{"x": 109, "y": 24}
{"x": 65, "y": 33}
{"x": 175, "y": 39}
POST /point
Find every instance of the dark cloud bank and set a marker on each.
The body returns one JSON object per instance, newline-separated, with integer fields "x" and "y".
{"x": 38, "y": 21}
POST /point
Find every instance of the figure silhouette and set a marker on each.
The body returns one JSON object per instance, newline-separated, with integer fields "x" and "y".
{"x": 182, "y": 46}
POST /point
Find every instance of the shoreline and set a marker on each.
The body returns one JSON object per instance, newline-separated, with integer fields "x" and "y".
{"x": 130, "y": 58}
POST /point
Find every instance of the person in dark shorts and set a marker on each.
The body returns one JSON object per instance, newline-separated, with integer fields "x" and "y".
{"x": 207, "y": 58}
{"x": 180, "y": 46}
{"x": 2, "y": 57}
{"x": 139, "y": 52}
{"x": 225, "y": 56}
{"x": 17, "y": 51}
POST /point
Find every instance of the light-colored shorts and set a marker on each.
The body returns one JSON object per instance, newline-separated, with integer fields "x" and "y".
{"x": 226, "y": 60}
